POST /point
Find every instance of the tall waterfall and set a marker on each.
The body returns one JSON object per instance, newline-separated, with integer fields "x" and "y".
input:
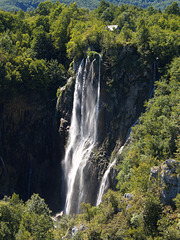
{"x": 82, "y": 134}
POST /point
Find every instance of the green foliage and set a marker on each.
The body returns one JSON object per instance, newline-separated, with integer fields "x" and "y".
{"x": 30, "y": 42}
{"x": 151, "y": 213}
{"x": 37, "y": 205}
{"x": 9, "y": 221}
{"x": 167, "y": 225}
{"x": 44, "y": 8}
{"x": 177, "y": 154}
{"x": 35, "y": 225}
{"x": 31, "y": 220}
{"x": 173, "y": 9}
{"x": 164, "y": 44}
{"x": 93, "y": 33}
{"x": 177, "y": 201}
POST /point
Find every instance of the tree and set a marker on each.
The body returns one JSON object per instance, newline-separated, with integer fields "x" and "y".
{"x": 151, "y": 214}
{"x": 36, "y": 220}
{"x": 11, "y": 210}
{"x": 173, "y": 9}
{"x": 102, "y": 7}
{"x": 38, "y": 71}
{"x": 44, "y": 8}
{"x": 42, "y": 21}
{"x": 143, "y": 33}
{"x": 37, "y": 205}
{"x": 42, "y": 44}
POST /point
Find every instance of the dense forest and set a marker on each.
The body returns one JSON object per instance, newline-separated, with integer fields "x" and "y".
{"x": 28, "y": 5}
{"x": 36, "y": 49}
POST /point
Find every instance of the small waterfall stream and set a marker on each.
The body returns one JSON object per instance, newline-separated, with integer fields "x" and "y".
{"x": 3, "y": 164}
{"x": 82, "y": 134}
{"x": 105, "y": 182}
{"x": 5, "y": 176}
{"x": 29, "y": 179}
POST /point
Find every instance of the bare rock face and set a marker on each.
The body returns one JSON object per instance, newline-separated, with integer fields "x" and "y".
{"x": 126, "y": 84}
{"x": 29, "y": 149}
{"x": 168, "y": 175}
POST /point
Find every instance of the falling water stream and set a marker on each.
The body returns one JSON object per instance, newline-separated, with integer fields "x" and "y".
{"x": 5, "y": 176}
{"x": 82, "y": 134}
{"x": 3, "y": 164}
{"x": 105, "y": 181}
{"x": 29, "y": 179}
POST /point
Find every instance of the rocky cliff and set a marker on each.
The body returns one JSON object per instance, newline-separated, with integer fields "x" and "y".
{"x": 29, "y": 148}
{"x": 126, "y": 82}
{"x": 33, "y": 135}
{"x": 168, "y": 176}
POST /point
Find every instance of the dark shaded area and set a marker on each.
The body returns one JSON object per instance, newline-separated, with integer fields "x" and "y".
{"x": 29, "y": 146}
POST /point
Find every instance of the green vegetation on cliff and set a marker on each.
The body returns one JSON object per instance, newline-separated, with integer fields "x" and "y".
{"x": 36, "y": 48}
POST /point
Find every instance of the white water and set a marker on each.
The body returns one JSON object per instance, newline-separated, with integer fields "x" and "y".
{"x": 82, "y": 135}
{"x": 3, "y": 164}
{"x": 104, "y": 182}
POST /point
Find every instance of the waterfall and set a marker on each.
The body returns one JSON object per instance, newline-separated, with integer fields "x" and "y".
{"x": 5, "y": 176}
{"x": 155, "y": 70}
{"x": 105, "y": 182}
{"x": 3, "y": 164}
{"x": 29, "y": 179}
{"x": 82, "y": 135}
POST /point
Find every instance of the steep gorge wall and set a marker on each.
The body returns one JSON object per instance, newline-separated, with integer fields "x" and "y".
{"x": 29, "y": 147}
{"x": 126, "y": 82}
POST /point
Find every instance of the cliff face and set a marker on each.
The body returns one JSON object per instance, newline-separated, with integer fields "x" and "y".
{"x": 29, "y": 148}
{"x": 126, "y": 82}
{"x": 168, "y": 177}
{"x": 33, "y": 135}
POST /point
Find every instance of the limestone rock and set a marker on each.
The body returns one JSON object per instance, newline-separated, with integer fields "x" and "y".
{"x": 168, "y": 174}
